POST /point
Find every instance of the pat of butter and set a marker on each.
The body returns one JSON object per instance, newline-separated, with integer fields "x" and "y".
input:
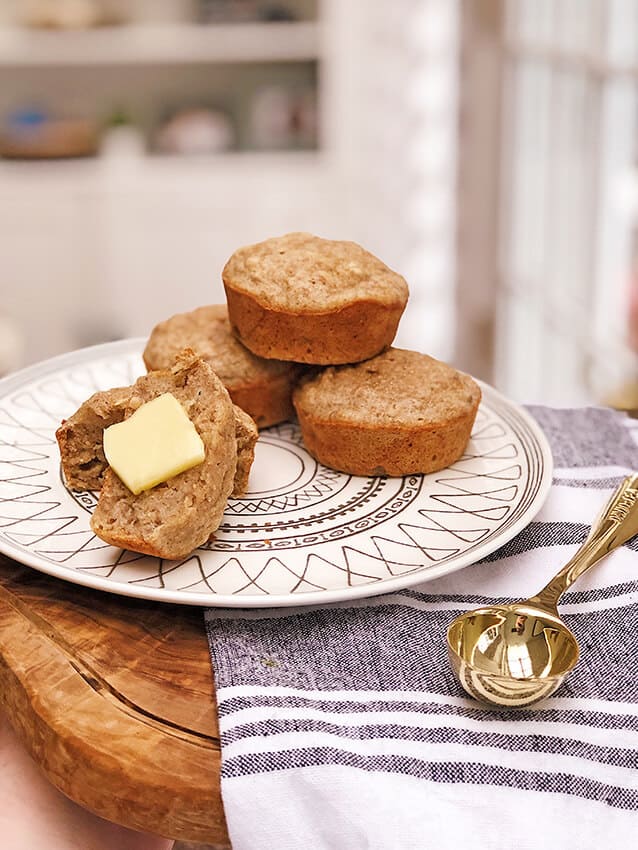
{"x": 155, "y": 443}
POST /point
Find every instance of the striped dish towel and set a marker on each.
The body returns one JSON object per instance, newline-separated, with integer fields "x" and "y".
{"x": 343, "y": 726}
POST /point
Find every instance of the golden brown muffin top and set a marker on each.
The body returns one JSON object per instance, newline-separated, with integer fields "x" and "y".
{"x": 397, "y": 387}
{"x": 303, "y": 273}
{"x": 207, "y": 331}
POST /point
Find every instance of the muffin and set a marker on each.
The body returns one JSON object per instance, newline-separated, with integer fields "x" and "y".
{"x": 399, "y": 413}
{"x": 80, "y": 440}
{"x": 180, "y": 514}
{"x": 263, "y": 388}
{"x": 311, "y": 300}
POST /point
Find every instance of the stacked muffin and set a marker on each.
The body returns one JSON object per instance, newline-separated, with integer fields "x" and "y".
{"x": 300, "y": 301}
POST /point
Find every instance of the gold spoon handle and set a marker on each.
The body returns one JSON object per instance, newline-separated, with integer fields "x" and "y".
{"x": 616, "y": 524}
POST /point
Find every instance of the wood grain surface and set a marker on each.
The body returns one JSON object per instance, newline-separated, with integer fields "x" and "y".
{"x": 114, "y": 699}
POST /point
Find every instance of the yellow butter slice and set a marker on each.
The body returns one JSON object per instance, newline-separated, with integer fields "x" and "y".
{"x": 155, "y": 443}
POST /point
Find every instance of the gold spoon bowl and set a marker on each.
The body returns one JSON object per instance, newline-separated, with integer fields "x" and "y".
{"x": 517, "y": 654}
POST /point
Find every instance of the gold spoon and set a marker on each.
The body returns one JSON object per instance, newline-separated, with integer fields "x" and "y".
{"x": 513, "y": 655}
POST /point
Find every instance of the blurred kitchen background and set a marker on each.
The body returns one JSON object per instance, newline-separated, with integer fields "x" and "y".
{"x": 486, "y": 149}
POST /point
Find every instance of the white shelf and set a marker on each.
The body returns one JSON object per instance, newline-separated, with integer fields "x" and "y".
{"x": 175, "y": 43}
{"x": 152, "y": 172}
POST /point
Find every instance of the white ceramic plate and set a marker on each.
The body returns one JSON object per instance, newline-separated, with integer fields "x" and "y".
{"x": 303, "y": 534}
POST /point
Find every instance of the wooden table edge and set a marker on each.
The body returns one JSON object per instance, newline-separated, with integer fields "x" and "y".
{"x": 185, "y": 806}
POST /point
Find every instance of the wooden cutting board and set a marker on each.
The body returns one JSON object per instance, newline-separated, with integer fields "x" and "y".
{"x": 113, "y": 697}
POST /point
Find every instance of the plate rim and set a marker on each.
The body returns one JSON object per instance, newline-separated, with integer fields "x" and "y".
{"x": 134, "y": 345}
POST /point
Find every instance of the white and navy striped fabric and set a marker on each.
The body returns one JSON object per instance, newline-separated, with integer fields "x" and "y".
{"x": 343, "y": 727}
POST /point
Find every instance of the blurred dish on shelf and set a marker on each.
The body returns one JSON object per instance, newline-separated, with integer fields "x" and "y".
{"x": 275, "y": 12}
{"x": 226, "y": 11}
{"x": 196, "y": 131}
{"x": 233, "y": 11}
{"x": 35, "y": 134}
{"x": 74, "y": 14}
